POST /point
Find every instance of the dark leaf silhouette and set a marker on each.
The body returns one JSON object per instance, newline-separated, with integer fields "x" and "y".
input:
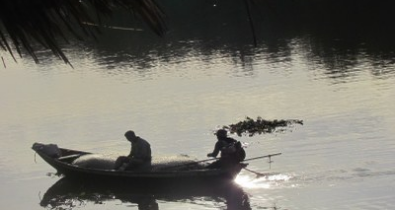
{"x": 24, "y": 22}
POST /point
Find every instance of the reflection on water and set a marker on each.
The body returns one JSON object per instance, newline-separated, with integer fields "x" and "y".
{"x": 331, "y": 35}
{"x": 337, "y": 38}
{"x": 69, "y": 194}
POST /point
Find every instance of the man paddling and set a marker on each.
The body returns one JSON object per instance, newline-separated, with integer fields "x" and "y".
{"x": 139, "y": 157}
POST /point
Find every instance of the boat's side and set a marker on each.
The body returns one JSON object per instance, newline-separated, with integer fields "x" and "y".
{"x": 63, "y": 166}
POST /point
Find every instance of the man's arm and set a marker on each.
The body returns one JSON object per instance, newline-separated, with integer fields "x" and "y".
{"x": 217, "y": 148}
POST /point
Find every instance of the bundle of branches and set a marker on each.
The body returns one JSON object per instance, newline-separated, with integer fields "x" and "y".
{"x": 24, "y": 21}
{"x": 251, "y": 127}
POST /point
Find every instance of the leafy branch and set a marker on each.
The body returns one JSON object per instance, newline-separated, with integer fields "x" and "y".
{"x": 259, "y": 126}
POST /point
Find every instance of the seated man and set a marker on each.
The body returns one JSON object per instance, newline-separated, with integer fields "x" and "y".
{"x": 139, "y": 157}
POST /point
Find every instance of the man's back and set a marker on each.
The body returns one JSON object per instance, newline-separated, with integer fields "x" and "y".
{"x": 141, "y": 149}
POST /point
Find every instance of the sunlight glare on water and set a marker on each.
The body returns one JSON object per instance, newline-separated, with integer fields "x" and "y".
{"x": 263, "y": 181}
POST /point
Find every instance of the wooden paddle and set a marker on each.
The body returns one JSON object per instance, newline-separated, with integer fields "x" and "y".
{"x": 258, "y": 174}
{"x": 266, "y": 156}
{"x": 201, "y": 161}
{"x": 255, "y": 158}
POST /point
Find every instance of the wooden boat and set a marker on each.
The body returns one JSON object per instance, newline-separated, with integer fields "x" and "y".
{"x": 62, "y": 161}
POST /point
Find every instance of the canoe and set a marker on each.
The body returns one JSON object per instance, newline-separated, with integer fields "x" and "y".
{"x": 62, "y": 160}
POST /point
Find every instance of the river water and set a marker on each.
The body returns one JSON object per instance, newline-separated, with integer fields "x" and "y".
{"x": 334, "y": 74}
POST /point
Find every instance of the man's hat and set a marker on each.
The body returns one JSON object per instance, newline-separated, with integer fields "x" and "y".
{"x": 222, "y": 133}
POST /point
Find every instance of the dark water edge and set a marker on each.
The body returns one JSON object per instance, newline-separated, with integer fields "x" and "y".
{"x": 338, "y": 35}
{"x": 335, "y": 34}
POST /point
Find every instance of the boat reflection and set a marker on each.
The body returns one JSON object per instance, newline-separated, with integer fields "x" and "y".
{"x": 68, "y": 194}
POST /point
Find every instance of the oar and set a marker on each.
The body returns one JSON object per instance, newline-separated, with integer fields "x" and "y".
{"x": 201, "y": 161}
{"x": 266, "y": 156}
{"x": 255, "y": 158}
{"x": 258, "y": 174}
{"x": 269, "y": 156}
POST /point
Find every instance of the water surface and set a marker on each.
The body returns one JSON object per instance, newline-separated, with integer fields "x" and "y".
{"x": 174, "y": 91}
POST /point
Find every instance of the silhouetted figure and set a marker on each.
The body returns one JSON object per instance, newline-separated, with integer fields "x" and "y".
{"x": 231, "y": 151}
{"x": 139, "y": 157}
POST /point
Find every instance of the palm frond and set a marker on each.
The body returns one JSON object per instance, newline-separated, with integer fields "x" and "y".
{"x": 23, "y": 22}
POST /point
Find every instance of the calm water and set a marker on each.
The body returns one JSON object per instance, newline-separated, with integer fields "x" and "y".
{"x": 174, "y": 91}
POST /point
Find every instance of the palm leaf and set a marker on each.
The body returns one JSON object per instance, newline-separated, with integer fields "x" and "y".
{"x": 26, "y": 22}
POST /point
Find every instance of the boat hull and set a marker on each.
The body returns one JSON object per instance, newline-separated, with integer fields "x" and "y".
{"x": 63, "y": 165}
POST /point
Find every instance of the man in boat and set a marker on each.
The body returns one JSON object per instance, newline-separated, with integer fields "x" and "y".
{"x": 139, "y": 157}
{"x": 231, "y": 151}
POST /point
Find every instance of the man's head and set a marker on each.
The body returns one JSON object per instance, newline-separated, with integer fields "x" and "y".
{"x": 130, "y": 136}
{"x": 221, "y": 133}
